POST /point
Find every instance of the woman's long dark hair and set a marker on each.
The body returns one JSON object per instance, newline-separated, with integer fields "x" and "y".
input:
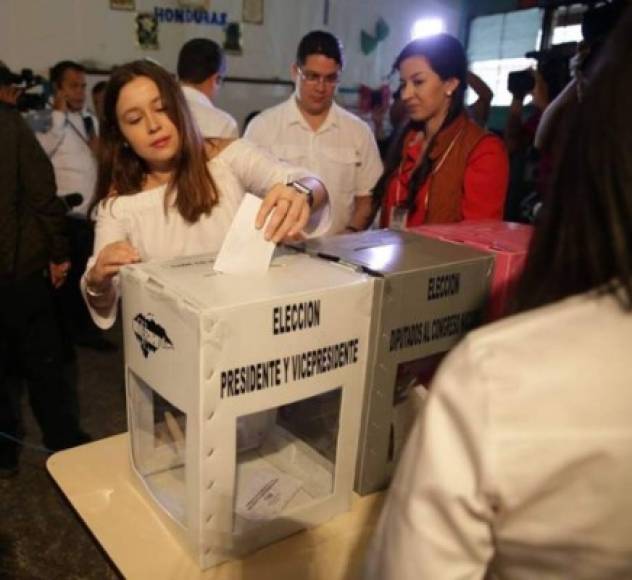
{"x": 583, "y": 239}
{"x": 122, "y": 171}
{"x": 447, "y": 59}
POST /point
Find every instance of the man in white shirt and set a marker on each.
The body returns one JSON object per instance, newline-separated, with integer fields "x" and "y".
{"x": 70, "y": 143}
{"x": 312, "y": 131}
{"x": 201, "y": 67}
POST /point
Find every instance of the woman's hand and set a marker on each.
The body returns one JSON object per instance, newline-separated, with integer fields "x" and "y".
{"x": 108, "y": 264}
{"x": 290, "y": 213}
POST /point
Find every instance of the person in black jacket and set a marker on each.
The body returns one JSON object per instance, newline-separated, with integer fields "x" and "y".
{"x": 33, "y": 255}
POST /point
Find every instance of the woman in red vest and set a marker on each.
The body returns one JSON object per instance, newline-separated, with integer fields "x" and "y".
{"x": 444, "y": 167}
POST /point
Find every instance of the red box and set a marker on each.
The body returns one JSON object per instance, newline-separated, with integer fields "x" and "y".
{"x": 509, "y": 242}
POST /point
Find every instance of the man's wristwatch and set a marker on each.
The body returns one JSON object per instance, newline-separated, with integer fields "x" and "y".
{"x": 306, "y": 191}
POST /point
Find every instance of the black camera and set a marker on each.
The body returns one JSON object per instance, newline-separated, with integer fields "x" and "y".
{"x": 553, "y": 66}
{"x": 27, "y": 81}
{"x": 521, "y": 82}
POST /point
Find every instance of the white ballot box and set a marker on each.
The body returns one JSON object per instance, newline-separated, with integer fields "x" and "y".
{"x": 428, "y": 294}
{"x": 231, "y": 381}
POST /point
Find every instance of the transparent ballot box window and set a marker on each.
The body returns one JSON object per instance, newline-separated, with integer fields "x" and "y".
{"x": 286, "y": 459}
{"x": 411, "y": 388}
{"x": 158, "y": 445}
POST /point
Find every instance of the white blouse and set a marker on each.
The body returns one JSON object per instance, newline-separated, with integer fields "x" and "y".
{"x": 520, "y": 465}
{"x": 141, "y": 220}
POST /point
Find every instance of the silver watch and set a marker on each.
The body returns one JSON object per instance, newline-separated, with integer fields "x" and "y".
{"x": 306, "y": 191}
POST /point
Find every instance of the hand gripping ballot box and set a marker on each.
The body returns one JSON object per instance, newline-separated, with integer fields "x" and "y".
{"x": 225, "y": 376}
{"x": 428, "y": 293}
{"x": 507, "y": 241}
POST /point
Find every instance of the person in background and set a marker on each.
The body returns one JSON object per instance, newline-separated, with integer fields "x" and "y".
{"x": 249, "y": 117}
{"x": 531, "y": 171}
{"x": 201, "y": 68}
{"x": 163, "y": 192}
{"x": 98, "y": 91}
{"x": 597, "y": 24}
{"x": 520, "y": 465}
{"x": 33, "y": 256}
{"x": 9, "y": 93}
{"x": 386, "y": 132}
{"x": 311, "y": 130}
{"x": 71, "y": 141}
{"x": 444, "y": 167}
{"x": 71, "y": 145}
{"x": 479, "y": 109}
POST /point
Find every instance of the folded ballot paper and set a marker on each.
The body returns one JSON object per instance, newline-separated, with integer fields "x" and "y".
{"x": 245, "y": 250}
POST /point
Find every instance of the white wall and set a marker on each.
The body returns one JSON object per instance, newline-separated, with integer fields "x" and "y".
{"x": 37, "y": 33}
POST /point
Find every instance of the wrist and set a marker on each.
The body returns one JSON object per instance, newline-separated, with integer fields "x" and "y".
{"x": 95, "y": 288}
{"x": 303, "y": 190}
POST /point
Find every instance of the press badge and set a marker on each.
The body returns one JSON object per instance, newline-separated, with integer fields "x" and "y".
{"x": 399, "y": 217}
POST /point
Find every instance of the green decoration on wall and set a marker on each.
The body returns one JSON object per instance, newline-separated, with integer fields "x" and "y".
{"x": 369, "y": 41}
{"x": 381, "y": 29}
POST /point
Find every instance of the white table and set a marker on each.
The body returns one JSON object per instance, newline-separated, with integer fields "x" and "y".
{"x": 97, "y": 481}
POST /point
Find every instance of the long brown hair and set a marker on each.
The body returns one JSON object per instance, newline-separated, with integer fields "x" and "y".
{"x": 122, "y": 171}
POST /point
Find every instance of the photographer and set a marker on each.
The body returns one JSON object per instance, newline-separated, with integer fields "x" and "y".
{"x": 71, "y": 141}
{"x": 530, "y": 172}
{"x": 33, "y": 255}
{"x": 597, "y": 23}
{"x": 9, "y": 93}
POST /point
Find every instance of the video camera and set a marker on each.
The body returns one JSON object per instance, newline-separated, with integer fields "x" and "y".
{"x": 553, "y": 65}
{"x": 26, "y": 80}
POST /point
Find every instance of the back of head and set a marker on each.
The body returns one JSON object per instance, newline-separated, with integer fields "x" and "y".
{"x": 99, "y": 87}
{"x": 319, "y": 42}
{"x": 199, "y": 59}
{"x": 58, "y": 71}
{"x": 6, "y": 76}
{"x": 583, "y": 239}
{"x": 446, "y": 56}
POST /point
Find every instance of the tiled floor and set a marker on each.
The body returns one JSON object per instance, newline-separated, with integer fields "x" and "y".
{"x": 41, "y": 537}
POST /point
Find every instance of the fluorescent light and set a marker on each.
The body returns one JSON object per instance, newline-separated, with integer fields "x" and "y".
{"x": 425, "y": 27}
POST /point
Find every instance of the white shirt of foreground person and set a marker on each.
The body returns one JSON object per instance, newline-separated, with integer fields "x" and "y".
{"x": 520, "y": 466}
{"x": 66, "y": 144}
{"x": 213, "y": 122}
{"x": 140, "y": 218}
{"x": 342, "y": 151}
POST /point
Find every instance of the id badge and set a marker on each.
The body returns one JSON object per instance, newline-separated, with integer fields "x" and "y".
{"x": 399, "y": 217}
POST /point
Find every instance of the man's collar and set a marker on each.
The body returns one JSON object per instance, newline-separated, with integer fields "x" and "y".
{"x": 192, "y": 94}
{"x": 296, "y": 116}
{"x": 81, "y": 112}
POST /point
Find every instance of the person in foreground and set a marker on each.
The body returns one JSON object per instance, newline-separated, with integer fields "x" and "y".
{"x": 443, "y": 167}
{"x": 163, "y": 192}
{"x": 520, "y": 465}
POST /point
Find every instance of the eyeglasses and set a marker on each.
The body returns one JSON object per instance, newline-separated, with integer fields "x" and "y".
{"x": 313, "y": 78}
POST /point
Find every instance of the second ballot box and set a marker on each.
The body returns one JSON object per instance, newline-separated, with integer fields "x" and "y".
{"x": 428, "y": 293}
{"x": 507, "y": 241}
